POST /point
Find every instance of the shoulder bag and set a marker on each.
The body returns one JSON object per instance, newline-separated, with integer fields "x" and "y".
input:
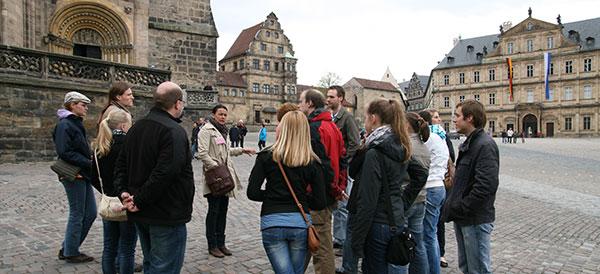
{"x": 106, "y": 203}
{"x": 449, "y": 176}
{"x": 65, "y": 170}
{"x": 401, "y": 247}
{"x": 219, "y": 180}
{"x": 313, "y": 236}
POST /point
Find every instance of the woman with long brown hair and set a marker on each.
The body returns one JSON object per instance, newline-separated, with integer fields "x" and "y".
{"x": 120, "y": 96}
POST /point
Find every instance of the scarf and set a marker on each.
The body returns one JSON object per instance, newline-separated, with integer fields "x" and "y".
{"x": 378, "y": 133}
{"x": 221, "y": 128}
{"x": 438, "y": 130}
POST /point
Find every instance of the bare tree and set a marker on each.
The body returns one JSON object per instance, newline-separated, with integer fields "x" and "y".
{"x": 329, "y": 79}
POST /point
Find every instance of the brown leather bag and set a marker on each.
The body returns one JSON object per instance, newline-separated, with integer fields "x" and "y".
{"x": 449, "y": 175}
{"x": 219, "y": 180}
{"x": 313, "y": 236}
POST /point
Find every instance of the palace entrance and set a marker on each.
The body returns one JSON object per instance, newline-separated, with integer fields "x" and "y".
{"x": 530, "y": 121}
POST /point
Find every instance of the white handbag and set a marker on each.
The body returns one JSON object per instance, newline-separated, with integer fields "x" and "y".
{"x": 105, "y": 208}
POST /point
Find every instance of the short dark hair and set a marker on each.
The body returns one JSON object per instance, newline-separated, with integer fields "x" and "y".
{"x": 316, "y": 97}
{"x": 165, "y": 99}
{"x": 217, "y": 107}
{"x": 340, "y": 90}
{"x": 474, "y": 109}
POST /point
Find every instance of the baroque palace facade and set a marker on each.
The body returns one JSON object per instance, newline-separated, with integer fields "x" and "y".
{"x": 477, "y": 68}
{"x": 258, "y": 73}
{"x": 50, "y": 47}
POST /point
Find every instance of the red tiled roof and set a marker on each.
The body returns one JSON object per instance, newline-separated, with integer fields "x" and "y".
{"x": 302, "y": 88}
{"x": 376, "y": 84}
{"x": 242, "y": 43}
{"x": 230, "y": 79}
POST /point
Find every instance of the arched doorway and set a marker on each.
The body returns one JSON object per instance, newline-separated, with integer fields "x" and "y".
{"x": 530, "y": 122}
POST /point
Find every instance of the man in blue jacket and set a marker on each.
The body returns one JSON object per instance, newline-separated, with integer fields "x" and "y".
{"x": 470, "y": 202}
{"x": 155, "y": 180}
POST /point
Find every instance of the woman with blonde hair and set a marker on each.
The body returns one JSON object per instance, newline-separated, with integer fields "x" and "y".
{"x": 384, "y": 162}
{"x": 120, "y": 238}
{"x": 284, "y": 231}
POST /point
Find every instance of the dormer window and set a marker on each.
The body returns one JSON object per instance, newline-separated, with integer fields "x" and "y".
{"x": 272, "y": 22}
{"x": 450, "y": 59}
{"x": 496, "y": 44}
{"x": 469, "y": 48}
{"x": 529, "y": 26}
{"x": 589, "y": 41}
{"x": 479, "y": 56}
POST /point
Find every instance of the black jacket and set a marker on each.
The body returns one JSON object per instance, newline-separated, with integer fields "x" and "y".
{"x": 276, "y": 196}
{"x": 473, "y": 192}
{"x": 155, "y": 166}
{"x": 70, "y": 138}
{"x": 107, "y": 167}
{"x": 367, "y": 201}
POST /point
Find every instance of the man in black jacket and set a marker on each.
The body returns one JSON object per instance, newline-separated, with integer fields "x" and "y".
{"x": 470, "y": 202}
{"x": 155, "y": 180}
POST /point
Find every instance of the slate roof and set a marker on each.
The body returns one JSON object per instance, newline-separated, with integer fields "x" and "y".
{"x": 423, "y": 80}
{"x": 230, "y": 79}
{"x": 462, "y": 57}
{"x": 372, "y": 84}
{"x": 242, "y": 43}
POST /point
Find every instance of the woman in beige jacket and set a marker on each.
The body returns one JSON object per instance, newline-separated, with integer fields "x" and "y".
{"x": 214, "y": 149}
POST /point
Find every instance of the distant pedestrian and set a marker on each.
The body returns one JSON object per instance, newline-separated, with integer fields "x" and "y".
{"x": 194, "y": 138}
{"x": 470, "y": 202}
{"x": 523, "y": 136}
{"x": 201, "y": 122}
{"x": 284, "y": 231}
{"x": 503, "y": 133}
{"x": 509, "y": 135}
{"x": 70, "y": 138}
{"x": 262, "y": 136}
{"x": 234, "y": 136}
{"x": 208, "y": 86}
{"x": 243, "y": 131}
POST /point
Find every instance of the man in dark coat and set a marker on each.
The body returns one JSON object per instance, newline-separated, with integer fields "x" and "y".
{"x": 234, "y": 135}
{"x": 470, "y": 202}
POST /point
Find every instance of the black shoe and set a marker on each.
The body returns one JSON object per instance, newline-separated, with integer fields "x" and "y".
{"x": 61, "y": 254}
{"x": 443, "y": 262}
{"x": 81, "y": 258}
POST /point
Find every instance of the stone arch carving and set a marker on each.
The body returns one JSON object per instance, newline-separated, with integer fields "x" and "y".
{"x": 90, "y": 23}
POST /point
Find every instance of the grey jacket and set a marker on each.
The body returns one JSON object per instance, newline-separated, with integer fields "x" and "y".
{"x": 419, "y": 152}
{"x": 347, "y": 125}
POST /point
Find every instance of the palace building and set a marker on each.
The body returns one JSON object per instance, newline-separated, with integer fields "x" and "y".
{"x": 478, "y": 68}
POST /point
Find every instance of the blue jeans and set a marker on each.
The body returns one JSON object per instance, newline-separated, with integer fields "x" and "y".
{"x": 82, "y": 213}
{"x": 340, "y": 218}
{"x": 375, "y": 249}
{"x": 120, "y": 239}
{"x": 216, "y": 220}
{"x": 414, "y": 223}
{"x": 286, "y": 248}
{"x": 474, "y": 247}
{"x": 435, "y": 200}
{"x": 349, "y": 262}
{"x": 194, "y": 149}
{"x": 163, "y": 247}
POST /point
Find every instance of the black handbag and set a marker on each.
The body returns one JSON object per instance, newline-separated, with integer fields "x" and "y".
{"x": 65, "y": 170}
{"x": 401, "y": 247}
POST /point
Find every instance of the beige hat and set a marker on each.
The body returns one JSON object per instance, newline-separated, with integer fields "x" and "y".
{"x": 75, "y": 96}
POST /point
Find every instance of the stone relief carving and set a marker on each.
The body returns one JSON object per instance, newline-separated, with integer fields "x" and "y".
{"x": 88, "y": 37}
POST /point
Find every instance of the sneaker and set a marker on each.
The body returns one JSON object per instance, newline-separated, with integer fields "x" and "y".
{"x": 61, "y": 254}
{"x": 81, "y": 258}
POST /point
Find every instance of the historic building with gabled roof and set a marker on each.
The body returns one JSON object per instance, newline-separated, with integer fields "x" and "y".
{"x": 263, "y": 57}
{"x": 361, "y": 92}
{"x": 477, "y": 68}
{"x": 414, "y": 90}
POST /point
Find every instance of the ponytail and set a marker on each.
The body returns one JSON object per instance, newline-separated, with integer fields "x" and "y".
{"x": 418, "y": 125}
{"x": 113, "y": 121}
{"x": 392, "y": 114}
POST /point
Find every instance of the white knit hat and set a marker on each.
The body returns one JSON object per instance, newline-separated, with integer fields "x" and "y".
{"x": 75, "y": 96}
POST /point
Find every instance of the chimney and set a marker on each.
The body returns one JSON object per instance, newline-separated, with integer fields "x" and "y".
{"x": 455, "y": 41}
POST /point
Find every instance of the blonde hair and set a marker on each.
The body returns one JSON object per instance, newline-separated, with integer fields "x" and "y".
{"x": 113, "y": 121}
{"x": 293, "y": 141}
{"x": 392, "y": 113}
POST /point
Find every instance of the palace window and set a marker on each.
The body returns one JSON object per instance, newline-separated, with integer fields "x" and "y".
{"x": 226, "y": 92}
{"x": 529, "y": 26}
{"x": 530, "y": 71}
{"x": 510, "y": 48}
{"x": 447, "y": 126}
{"x": 275, "y": 89}
{"x": 293, "y": 89}
{"x": 550, "y": 94}
{"x": 551, "y": 69}
{"x": 492, "y": 75}
{"x": 222, "y": 68}
{"x": 280, "y": 49}
{"x": 266, "y": 88}
{"x": 267, "y": 65}
{"x": 587, "y": 123}
{"x": 241, "y": 63}
{"x": 276, "y": 35}
{"x": 492, "y": 126}
{"x": 530, "y": 96}
{"x": 476, "y": 97}
{"x": 276, "y": 66}
{"x": 587, "y": 64}
{"x": 263, "y": 47}
{"x": 268, "y": 34}
{"x": 569, "y": 67}
{"x": 587, "y": 92}
{"x": 241, "y": 94}
{"x": 550, "y": 42}
{"x": 529, "y": 45}
{"x": 569, "y": 93}
{"x": 461, "y": 78}
{"x": 233, "y": 93}
{"x": 476, "y": 76}
{"x": 569, "y": 123}
{"x": 446, "y": 102}
{"x": 492, "y": 98}
{"x": 255, "y": 87}
{"x": 446, "y": 80}
{"x": 508, "y": 101}
{"x": 461, "y": 98}
{"x": 256, "y": 63}
{"x": 235, "y": 66}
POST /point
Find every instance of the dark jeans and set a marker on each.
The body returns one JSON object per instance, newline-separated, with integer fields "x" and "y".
{"x": 261, "y": 144}
{"x": 163, "y": 247}
{"x": 82, "y": 213}
{"x": 441, "y": 234}
{"x": 120, "y": 239}
{"x": 349, "y": 261}
{"x": 242, "y": 142}
{"x": 234, "y": 143}
{"x": 216, "y": 220}
{"x": 375, "y": 249}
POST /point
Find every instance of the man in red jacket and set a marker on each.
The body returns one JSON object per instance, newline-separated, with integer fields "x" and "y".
{"x": 328, "y": 144}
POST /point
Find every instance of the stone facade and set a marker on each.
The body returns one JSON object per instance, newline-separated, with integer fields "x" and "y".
{"x": 262, "y": 56}
{"x": 143, "y": 42}
{"x": 361, "y": 92}
{"x": 477, "y": 69}
{"x": 414, "y": 90}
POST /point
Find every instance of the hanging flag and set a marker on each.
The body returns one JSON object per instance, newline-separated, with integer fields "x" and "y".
{"x": 510, "y": 77}
{"x": 547, "y": 56}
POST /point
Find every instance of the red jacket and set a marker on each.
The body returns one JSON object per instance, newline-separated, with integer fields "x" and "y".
{"x": 327, "y": 142}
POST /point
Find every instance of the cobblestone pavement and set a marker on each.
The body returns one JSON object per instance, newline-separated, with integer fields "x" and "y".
{"x": 547, "y": 216}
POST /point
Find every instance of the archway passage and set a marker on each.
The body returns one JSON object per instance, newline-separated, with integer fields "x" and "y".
{"x": 530, "y": 122}
{"x": 81, "y": 26}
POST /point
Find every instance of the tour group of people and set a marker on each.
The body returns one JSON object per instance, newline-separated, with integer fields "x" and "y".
{"x": 344, "y": 180}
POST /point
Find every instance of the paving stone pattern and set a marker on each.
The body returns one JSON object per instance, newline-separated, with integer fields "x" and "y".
{"x": 547, "y": 216}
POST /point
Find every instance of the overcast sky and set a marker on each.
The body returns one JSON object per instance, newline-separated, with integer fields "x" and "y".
{"x": 362, "y": 38}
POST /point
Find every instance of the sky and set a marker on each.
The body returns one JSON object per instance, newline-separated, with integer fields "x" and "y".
{"x": 362, "y": 38}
